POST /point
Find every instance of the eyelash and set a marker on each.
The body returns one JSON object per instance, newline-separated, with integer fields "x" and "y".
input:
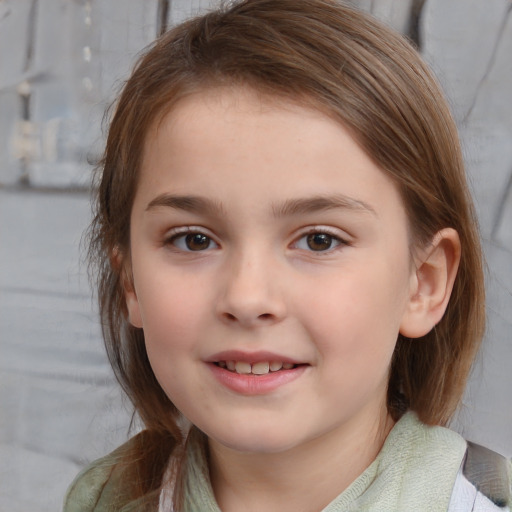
{"x": 318, "y": 230}
{"x": 181, "y": 234}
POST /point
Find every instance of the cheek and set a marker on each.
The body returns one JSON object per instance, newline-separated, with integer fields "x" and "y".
{"x": 171, "y": 313}
{"x": 357, "y": 316}
{"x": 355, "y": 332}
{"x": 173, "y": 324}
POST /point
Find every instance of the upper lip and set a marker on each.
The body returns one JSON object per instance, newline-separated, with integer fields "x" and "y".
{"x": 250, "y": 357}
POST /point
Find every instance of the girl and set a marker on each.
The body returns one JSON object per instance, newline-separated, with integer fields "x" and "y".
{"x": 287, "y": 262}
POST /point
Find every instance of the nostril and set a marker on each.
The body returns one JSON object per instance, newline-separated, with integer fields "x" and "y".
{"x": 230, "y": 317}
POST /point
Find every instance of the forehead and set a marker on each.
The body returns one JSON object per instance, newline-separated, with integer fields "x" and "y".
{"x": 233, "y": 139}
{"x": 247, "y": 104}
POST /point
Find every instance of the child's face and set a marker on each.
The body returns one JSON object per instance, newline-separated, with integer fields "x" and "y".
{"x": 261, "y": 233}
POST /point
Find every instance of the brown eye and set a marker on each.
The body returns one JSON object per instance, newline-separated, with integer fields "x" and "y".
{"x": 197, "y": 242}
{"x": 319, "y": 241}
{"x": 193, "y": 241}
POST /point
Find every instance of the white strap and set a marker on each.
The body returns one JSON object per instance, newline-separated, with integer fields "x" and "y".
{"x": 466, "y": 498}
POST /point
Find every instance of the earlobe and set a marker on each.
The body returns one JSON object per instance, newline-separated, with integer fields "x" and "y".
{"x": 432, "y": 284}
{"x": 122, "y": 265}
{"x": 132, "y": 306}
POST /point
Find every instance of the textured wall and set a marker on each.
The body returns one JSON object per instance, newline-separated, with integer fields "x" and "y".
{"x": 61, "y": 63}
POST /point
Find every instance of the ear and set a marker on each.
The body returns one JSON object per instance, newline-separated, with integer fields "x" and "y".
{"x": 431, "y": 284}
{"x": 122, "y": 264}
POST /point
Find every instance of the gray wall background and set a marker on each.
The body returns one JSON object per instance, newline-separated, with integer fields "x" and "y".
{"x": 61, "y": 63}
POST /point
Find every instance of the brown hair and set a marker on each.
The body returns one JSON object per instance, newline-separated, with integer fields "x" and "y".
{"x": 371, "y": 80}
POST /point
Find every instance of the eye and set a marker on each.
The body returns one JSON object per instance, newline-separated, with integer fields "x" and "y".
{"x": 192, "y": 241}
{"x": 318, "y": 241}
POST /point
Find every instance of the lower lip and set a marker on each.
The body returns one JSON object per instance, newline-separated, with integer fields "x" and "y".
{"x": 251, "y": 385}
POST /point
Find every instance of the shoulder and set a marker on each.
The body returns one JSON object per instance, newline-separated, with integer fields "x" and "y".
{"x": 97, "y": 487}
{"x": 436, "y": 460}
{"x": 85, "y": 492}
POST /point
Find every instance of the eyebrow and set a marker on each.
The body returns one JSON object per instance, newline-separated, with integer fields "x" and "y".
{"x": 322, "y": 203}
{"x": 188, "y": 203}
{"x": 203, "y": 205}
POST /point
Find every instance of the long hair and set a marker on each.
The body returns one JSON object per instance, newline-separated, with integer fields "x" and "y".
{"x": 355, "y": 70}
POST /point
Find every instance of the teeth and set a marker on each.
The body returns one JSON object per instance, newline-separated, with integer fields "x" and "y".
{"x": 275, "y": 366}
{"x": 261, "y": 368}
{"x": 242, "y": 367}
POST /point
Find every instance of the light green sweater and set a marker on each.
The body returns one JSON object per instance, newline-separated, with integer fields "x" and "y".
{"x": 415, "y": 471}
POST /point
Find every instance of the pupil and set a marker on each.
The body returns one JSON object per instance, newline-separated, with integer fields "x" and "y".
{"x": 319, "y": 241}
{"x": 197, "y": 242}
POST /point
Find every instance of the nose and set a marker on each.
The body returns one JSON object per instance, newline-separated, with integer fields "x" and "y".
{"x": 251, "y": 293}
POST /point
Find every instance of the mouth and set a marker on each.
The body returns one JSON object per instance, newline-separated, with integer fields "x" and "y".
{"x": 255, "y": 373}
{"x": 259, "y": 368}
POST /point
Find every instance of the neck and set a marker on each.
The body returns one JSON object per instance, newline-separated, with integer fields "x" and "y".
{"x": 307, "y": 477}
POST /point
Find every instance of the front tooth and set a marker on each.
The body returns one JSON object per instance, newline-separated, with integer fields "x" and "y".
{"x": 288, "y": 366}
{"x": 260, "y": 368}
{"x": 230, "y": 365}
{"x": 275, "y": 366}
{"x": 242, "y": 367}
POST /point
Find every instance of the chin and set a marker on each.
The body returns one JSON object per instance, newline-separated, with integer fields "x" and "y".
{"x": 256, "y": 446}
{"x": 255, "y": 440}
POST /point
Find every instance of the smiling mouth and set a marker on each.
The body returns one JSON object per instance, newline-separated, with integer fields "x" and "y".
{"x": 260, "y": 368}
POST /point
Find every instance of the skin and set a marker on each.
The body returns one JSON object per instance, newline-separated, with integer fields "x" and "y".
{"x": 255, "y": 283}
